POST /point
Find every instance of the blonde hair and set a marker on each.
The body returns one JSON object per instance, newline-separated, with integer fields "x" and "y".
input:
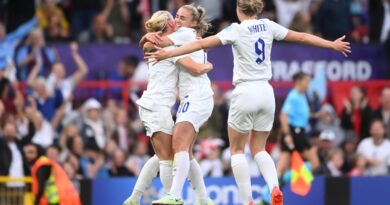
{"x": 250, "y": 7}
{"x": 158, "y": 22}
{"x": 37, "y": 32}
{"x": 198, "y": 15}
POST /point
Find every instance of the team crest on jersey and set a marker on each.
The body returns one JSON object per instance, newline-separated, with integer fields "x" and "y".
{"x": 229, "y": 28}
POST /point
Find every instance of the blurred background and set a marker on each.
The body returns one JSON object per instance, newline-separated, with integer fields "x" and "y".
{"x": 71, "y": 71}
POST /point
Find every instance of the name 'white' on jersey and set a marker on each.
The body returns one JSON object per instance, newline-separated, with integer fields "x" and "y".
{"x": 198, "y": 87}
{"x": 162, "y": 83}
{"x": 251, "y": 41}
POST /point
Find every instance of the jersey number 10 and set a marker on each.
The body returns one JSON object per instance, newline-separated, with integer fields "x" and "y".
{"x": 184, "y": 108}
{"x": 259, "y": 48}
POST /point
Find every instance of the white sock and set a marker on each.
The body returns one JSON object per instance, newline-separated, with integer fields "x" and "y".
{"x": 241, "y": 174}
{"x": 181, "y": 167}
{"x": 166, "y": 174}
{"x": 148, "y": 173}
{"x": 267, "y": 169}
{"x": 195, "y": 176}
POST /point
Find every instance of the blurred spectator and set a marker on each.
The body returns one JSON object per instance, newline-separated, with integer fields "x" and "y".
{"x": 359, "y": 166}
{"x": 333, "y": 19}
{"x": 92, "y": 163}
{"x": 82, "y": 14}
{"x": 379, "y": 20}
{"x": 139, "y": 157}
{"x": 12, "y": 159}
{"x": 32, "y": 151}
{"x": 44, "y": 135}
{"x": 68, "y": 133}
{"x": 212, "y": 164}
{"x": 93, "y": 129}
{"x": 53, "y": 22}
{"x": 349, "y": 148}
{"x": 335, "y": 162}
{"x": 118, "y": 168}
{"x": 116, "y": 15}
{"x": 122, "y": 133}
{"x": 33, "y": 49}
{"x": 325, "y": 144}
{"x": 74, "y": 162}
{"x": 103, "y": 32}
{"x": 301, "y": 22}
{"x": 8, "y": 42}
{"x": 328, "y": 121}
{"x": 8, "y": 91}
{"x": 136, "y": 16}
{"x": 376, "y": 150}
{"x": 383, "y": 112}
{"x": 126, "y": 69}
{"x": 286, "y": 10}
{"x": 108, "y": 116}
{"x": 58, "y": 79}
{"x": 47, "y": 103}
{"x": 53, "y": 153}
{"x": 356, "y": 114}
{"x": 216, "y": 123}
{"x": 360, "y": 31}
{"x": 76, "y": 146}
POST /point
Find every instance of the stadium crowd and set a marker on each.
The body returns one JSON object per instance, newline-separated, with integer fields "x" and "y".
{"x": 97, "y": 139}
{"x": 121, "y": 21}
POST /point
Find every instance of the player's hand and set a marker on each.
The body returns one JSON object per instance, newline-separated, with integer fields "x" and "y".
{"x": 154, "y": 37}
{"x": 342, "y": 46}
{"x": 156, "y": 56}
{"x": 289, "y": 141}
{"x": 208, "y": 67}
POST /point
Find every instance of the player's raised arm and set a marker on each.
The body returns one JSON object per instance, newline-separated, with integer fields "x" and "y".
{"x": 205, "y": 43}
{"x": 338, "y": 45}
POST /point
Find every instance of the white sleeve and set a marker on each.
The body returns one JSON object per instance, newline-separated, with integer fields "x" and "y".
{"x": 182, "y": 36}
{"x": 229, "y": 35}
{"x": 279, "y": 32}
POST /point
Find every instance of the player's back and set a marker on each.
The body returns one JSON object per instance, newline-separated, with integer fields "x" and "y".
{"x": 162, "y": 83}
{"x": 252, "y": 44}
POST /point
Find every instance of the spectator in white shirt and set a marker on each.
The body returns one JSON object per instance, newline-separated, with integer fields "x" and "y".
{"x": 376, "y": 150}
{"x": 212, "y": 164}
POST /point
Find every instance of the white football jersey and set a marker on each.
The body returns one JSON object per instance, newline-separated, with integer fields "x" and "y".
{"x": 198, "y": 87}
{"x": 162, "y": 84}
{"x": 251, "y": 41}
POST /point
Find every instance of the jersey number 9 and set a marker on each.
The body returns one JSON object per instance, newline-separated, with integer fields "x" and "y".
{"x": 259, "y": 48}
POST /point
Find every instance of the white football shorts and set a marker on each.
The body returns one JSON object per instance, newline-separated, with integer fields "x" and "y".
{"x": 252, "y": 107}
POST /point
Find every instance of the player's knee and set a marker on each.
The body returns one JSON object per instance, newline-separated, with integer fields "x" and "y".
{"x": 237, "y": 150}
{"x": 180, "y": 147}
{"x": 256, "y": 149}
{"x": 165, "y": 155}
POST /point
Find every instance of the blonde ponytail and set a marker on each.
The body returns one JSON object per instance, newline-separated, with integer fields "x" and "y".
{"x": 158, "y": 22}
{"x": 198, "y": 15}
